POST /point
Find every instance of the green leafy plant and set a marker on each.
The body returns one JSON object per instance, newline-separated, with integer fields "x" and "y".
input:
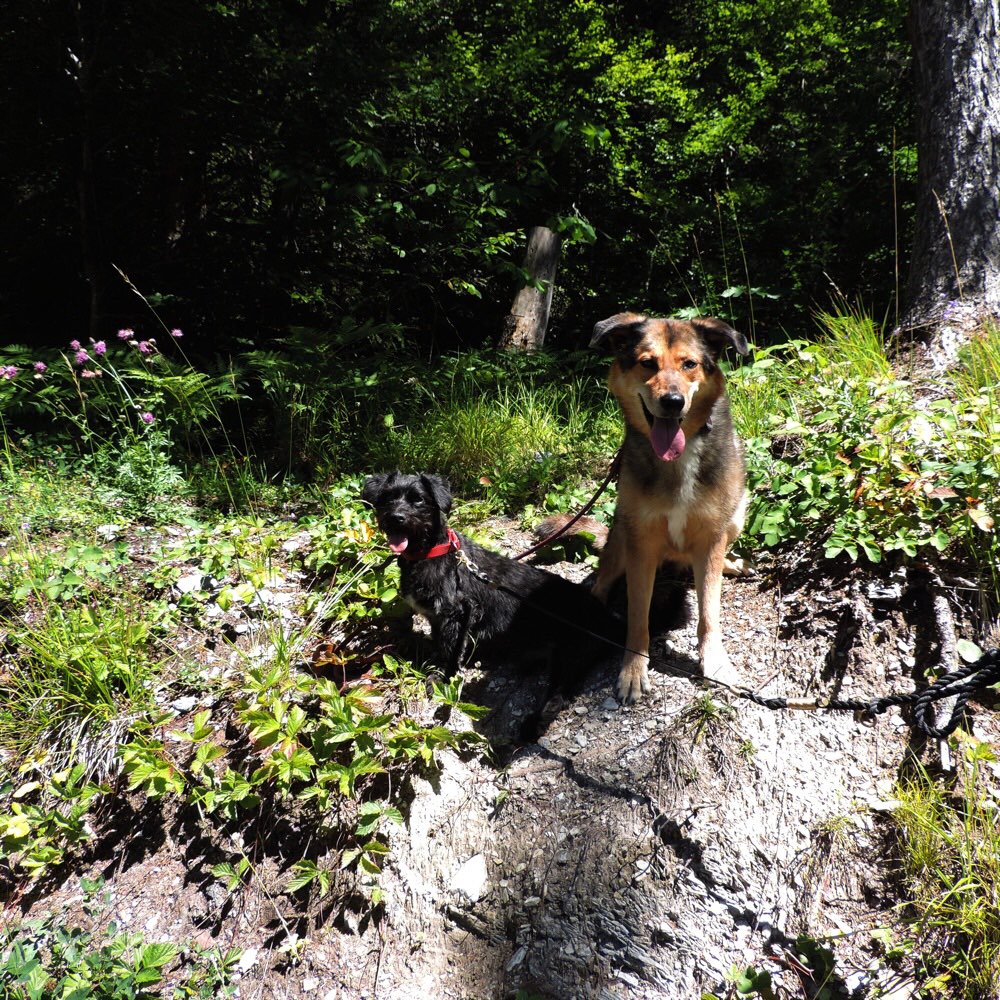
{"x": 950, "y": 853}
{"x": 50, "y": 958}
{"x": 842, "y": 449}
{"x": 307, "y": 872}
{"x": 751, "y": 982}
{"x": 60, "y": 575}
{"x": 44, "y": 818}
{"x": 232, "y": 876}
{"x": 704, "y": 715}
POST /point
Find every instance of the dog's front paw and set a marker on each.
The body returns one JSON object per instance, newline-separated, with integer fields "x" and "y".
{"x": 716, "y": 665}
{"x": 633, "y": 681}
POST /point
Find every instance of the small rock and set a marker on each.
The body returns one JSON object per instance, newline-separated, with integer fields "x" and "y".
{"x": 471, "y": 878}
{"x": 517, "y": 958}
{"x": 247, "y": 960}
{"x": 309, "y": 984}
{"x": 531, "y": 902}
{"x": 581, "y": 709}
{"x": 184, "y": 704}
{"x": 189, "y": 583}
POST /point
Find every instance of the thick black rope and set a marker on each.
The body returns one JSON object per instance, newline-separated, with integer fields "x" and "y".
{"x": 959, "y": 684}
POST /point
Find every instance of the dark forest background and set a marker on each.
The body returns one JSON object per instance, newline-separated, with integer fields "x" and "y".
{"x": 316, "y": 175}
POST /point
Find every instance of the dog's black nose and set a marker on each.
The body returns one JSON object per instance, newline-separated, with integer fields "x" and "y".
{"x": 393, "y": 520}
{"x": 671, "y": 404}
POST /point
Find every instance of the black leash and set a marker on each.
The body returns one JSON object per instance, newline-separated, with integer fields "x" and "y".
{"x": 960, "y": 684}
{"x": 586, "y": 509}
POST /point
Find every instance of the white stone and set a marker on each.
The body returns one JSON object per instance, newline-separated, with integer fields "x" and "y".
{"x": 471, "y": 878}
{"x": 189, "y": 584}
{"x": 247, "y": 960}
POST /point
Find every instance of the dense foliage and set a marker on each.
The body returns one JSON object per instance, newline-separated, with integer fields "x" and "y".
{"x": 342, "y": 165}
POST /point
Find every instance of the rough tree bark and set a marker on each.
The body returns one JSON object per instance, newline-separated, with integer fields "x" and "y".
{"x": 524, "y": 329}
{"x": 955, "y": 267}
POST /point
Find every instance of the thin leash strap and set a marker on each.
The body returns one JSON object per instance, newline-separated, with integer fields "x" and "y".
{"x": 548, "y": 539}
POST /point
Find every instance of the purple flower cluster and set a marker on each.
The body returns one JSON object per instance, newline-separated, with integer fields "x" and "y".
{"x": 98, "y": 348}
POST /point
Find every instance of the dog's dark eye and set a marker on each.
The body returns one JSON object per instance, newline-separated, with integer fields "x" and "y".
{"x": 649, "y": 363}
{"x": 689, "y": 364}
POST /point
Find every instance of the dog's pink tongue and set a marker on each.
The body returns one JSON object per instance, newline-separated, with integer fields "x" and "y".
{"x": 398, "y": 543}
{"x": 667, "y": 438}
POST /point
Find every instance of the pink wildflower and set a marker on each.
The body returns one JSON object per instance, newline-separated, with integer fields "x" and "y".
{"x": 145, "y": 347}
{"x": 82, "y": 356}
{"x": 8, "y": 371}
{"x": 74, "y": 345}
{"x": 146, "y": 418}
{"x": 100, "y": 347}
{"x": 40, "y": 366}
{"x": 89, "y": 373}
{"x": 176, "y": 333}
{"x": 126, "y": 334}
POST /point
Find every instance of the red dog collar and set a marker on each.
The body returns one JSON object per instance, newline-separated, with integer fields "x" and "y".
{"x": 452, "y": 545}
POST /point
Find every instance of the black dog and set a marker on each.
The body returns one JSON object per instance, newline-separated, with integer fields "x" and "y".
{"x": 533, "y": 612}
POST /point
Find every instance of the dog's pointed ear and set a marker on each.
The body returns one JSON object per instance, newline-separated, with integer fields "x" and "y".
{"x": 610, "y": 330}
{"x": 719, "y": 335}
{"x": 438, "y": 488}
{"x": 373, "y": 487}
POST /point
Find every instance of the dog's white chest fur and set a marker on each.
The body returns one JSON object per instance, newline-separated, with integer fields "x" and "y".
{"x": 683, "y": 497}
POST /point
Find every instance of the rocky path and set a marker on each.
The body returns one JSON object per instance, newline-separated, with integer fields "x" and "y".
{"x": 643, "y": 851}
{"x": 631, "y": 852}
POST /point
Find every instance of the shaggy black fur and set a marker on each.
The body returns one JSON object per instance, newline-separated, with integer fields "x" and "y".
{"x": 534, "y": 614}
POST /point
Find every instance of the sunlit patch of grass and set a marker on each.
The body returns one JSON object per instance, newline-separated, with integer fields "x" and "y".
{"x": 853, "y": 342}
{"x": 761, "y": 392}
{"x": 37, "y": 499}
{"x": 76, "y": 676}
{"x": 950, "y": 853}
{"x": 511, "y": 440}
{"x": 976, "y": 380}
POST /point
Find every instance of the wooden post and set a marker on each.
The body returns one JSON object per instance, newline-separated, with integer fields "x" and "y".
{"x": 524, "y": 329}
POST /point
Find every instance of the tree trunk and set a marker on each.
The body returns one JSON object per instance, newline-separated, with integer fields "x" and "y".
{"x": 955, "y": 267}
{"x": 524, "y": 329}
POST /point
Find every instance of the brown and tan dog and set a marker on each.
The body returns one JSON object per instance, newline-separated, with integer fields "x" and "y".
{"x": 682, "y": 486}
